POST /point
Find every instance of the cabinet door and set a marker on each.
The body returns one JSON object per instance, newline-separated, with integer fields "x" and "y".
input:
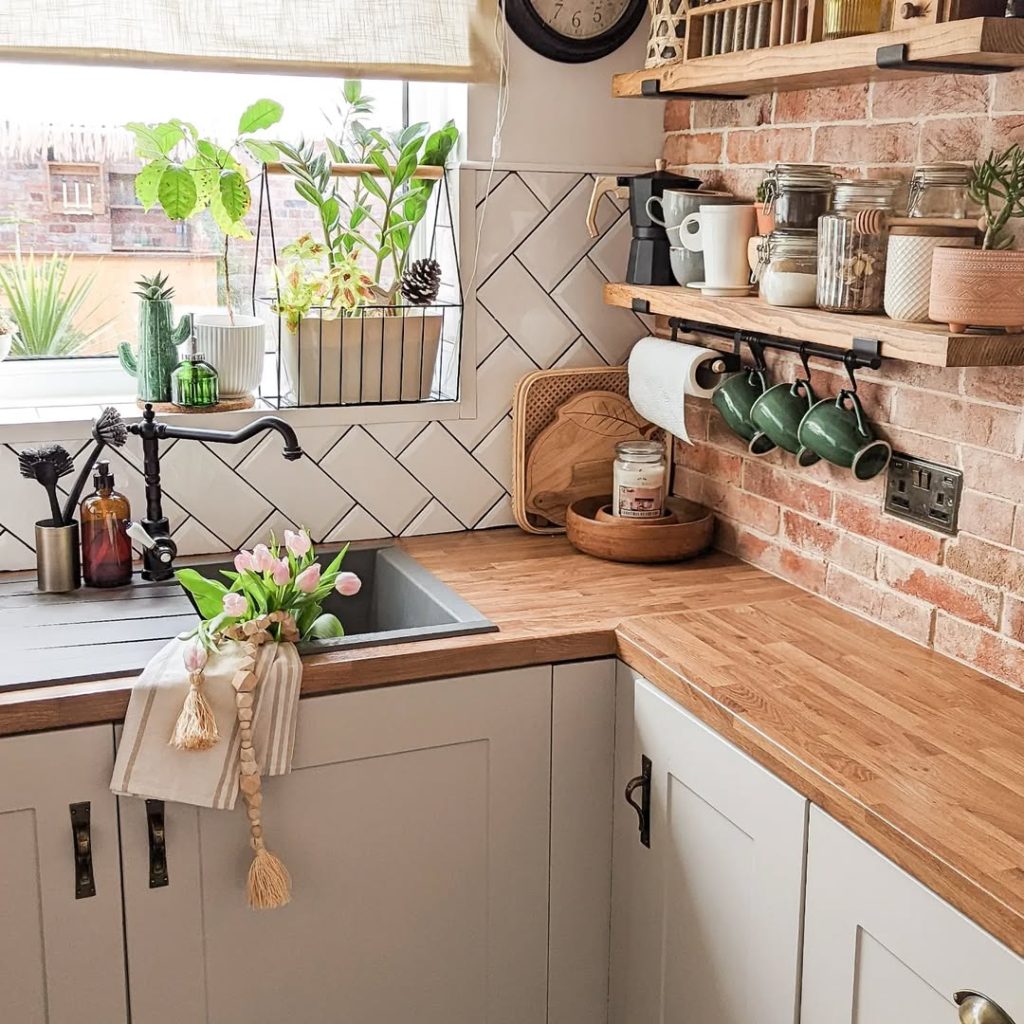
{"x": 415, "y": 827}
{"x": 61, "y": 957}
{"x": 705, "y": 922}
{"x": 880, "y": 948}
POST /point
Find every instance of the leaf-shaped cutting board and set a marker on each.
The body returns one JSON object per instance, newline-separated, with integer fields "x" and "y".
{"x": 572, "y": 457}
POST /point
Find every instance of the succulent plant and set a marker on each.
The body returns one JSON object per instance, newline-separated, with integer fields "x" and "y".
{"x": 997, "y": 183}
{"x": 154, "y": 289}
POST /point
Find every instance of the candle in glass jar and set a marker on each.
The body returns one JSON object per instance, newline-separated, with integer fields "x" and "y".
{"x": 638, "y": 489}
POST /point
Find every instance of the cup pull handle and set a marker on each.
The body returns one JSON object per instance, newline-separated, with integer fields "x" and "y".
{"x": 81, "y": 837}
{"x": 643, "y": 808}
{"x": 157, "y": 844}
{"x": 976, "y": 1008}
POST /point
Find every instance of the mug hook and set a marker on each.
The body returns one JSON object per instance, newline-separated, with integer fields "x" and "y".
{"x": 804, "y": 359}
{"x": 757, "y": 351}
{"x": 850, "y": 362}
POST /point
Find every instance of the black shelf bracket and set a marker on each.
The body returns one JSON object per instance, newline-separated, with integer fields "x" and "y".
{"x": 895, "y": 57}
{"x": 651, "y": 88}
{"x": 641, "y": 306}
{"x": 864, "y": 352}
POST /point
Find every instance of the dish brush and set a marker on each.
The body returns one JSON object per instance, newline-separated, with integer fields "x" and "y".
{"x": 47, "y": 465}
{"x": 108, "y": 430}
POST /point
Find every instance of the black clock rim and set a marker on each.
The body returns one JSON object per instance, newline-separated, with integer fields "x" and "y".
{"x": 539, "y": 36}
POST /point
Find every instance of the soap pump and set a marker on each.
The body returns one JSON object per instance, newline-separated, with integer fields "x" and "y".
{"x": 106, "y": 549}
{"x": 194, "y": 383}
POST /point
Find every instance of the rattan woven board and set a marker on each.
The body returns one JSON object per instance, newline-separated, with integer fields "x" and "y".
{"x": 538, "y": 397}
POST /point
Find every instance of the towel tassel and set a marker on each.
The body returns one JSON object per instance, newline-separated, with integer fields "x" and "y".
{"x": 196, "y": 728}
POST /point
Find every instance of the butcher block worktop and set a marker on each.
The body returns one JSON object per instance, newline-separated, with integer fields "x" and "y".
{"x": 919, "y": 755}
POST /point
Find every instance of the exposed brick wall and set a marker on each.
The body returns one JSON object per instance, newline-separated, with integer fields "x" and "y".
{"x": 818, "y": 527}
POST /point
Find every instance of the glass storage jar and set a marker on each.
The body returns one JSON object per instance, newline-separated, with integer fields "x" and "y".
{"x": 639, "y": 475}
{"x": 852, "y": 240}
{"x": 842, "y": 18}
{"x": 789, "y": 268}
{"x": 940, "y": 190}
{"x": 796, "y": 195}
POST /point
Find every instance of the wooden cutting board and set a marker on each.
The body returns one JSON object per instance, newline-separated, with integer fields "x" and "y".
{"x": 572, "y": 457}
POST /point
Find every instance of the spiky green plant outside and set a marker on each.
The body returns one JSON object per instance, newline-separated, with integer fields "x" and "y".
{"x": 46, "y": 307}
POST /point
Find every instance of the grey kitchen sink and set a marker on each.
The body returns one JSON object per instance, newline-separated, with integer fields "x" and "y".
{"x": 93, "y": 634}
{"x": 400, "y": 601}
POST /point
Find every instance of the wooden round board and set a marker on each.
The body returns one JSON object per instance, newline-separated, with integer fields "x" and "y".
{"x": 225, "y": 405}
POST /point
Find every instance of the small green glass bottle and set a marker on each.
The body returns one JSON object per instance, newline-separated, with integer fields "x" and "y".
{"x": 194, "y": 382}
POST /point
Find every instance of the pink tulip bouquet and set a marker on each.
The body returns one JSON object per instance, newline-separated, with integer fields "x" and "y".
{"x": 268, "y": 579}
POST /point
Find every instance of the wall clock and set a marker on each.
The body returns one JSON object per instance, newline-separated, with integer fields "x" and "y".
{"x": 574, "y": 31}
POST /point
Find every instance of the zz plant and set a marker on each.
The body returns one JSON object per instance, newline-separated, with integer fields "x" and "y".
{"x": 997, "y": 184}
{"x": 381, "y": 212}
{"x": 186, "y": 172}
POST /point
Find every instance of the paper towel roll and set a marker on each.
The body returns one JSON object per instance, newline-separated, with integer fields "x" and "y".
{"x": 662, "y": 373}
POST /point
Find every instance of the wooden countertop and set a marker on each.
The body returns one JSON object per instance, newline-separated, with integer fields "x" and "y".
{"x": 919, "y": 755}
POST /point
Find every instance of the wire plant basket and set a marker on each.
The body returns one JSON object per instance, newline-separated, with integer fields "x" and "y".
{"x": 378, "y": 354}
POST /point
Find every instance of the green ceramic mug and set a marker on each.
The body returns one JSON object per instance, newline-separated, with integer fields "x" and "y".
{"x": 777, "y": 415}
{"x": 838, "y": 430}
{"x": 734, "y": 397}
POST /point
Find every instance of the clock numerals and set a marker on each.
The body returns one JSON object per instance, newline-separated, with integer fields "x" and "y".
{"x": 575, "y": 31}
{"x": 581, "y": 19}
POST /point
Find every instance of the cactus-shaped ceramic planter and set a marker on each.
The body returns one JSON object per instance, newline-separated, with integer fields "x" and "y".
{"x": 159, "y": 338}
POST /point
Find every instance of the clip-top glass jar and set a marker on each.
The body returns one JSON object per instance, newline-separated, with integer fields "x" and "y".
{"x": 789, "y": 268}
{"x": 639, "y": 480}
{"x": 940, "y": 190}
{"x": 796, "y": 195}
{"x": 852, "y": 241}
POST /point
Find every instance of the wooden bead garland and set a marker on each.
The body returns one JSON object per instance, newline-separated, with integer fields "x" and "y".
{"x": 269, "y": 884}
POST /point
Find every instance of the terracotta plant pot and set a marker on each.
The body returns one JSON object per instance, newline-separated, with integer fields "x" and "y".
{"x": 765, "y": 221}
{"x": 977, "y": 288}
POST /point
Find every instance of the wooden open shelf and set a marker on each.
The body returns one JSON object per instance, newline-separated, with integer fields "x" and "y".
{"x": 993, "y": 42}
{"x": 916, "y": 343}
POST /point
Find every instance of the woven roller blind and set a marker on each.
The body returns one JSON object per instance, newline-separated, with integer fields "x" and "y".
{"x": 438, "y": 40}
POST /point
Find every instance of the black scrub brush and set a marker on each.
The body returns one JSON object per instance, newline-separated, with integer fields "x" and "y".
{"x": 47, "y": 465}
{"x": 108, "y": 430}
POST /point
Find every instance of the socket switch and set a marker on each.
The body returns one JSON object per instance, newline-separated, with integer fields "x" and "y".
{"x": 923, "y": 492}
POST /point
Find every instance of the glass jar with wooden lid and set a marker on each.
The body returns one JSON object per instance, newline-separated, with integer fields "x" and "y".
{"x": 852, "y": 239}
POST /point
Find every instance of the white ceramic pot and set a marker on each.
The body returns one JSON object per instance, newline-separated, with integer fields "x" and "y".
{"x": 358, "y": 360}
{"x": 908, "y": 272}
{"x": 6, "y": 340}
{"x": 235, "y": 350}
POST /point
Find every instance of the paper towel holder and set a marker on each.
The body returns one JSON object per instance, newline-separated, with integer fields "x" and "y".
{"x": 727, "y": 362}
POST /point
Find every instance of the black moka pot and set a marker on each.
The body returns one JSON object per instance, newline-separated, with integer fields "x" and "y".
{"x": 649, "y": 261}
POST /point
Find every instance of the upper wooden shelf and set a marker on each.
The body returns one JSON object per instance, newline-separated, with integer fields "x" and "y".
{"x": 916, "y": 343}
{"x": 992, "y": 42}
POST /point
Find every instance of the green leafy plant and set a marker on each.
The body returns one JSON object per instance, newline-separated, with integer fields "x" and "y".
{"x": 305, "y": 282}
{"x": 387, "y": 201}
{"x": 187, "y": 173}
{"x": 997, "y": 184}
{"x": 272, "y": 578}
{"x": 45, "y": 306}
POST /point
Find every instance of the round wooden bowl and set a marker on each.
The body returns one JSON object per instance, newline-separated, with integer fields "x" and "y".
{"x": 604, "y": 515}
{"x": 624, "y": 540}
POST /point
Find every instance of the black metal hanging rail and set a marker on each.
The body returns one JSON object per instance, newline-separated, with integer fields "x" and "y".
{"x": 865, "y": 353}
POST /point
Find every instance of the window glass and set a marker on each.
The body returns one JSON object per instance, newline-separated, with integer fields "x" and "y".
{"x": 71, "y": 225}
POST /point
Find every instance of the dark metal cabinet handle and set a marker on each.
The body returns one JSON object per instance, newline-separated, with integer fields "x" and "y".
{"x": 81, "y": 836}
{"x": 643, "y": 809}
{"x": 976, "y": 1008}
{"x": 157, "y": 844}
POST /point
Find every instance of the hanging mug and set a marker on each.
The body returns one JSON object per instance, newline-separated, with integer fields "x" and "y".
{"x": 777, "y": 415}
{"x": 734, "y": 398}
{"x": 839, "y": 431}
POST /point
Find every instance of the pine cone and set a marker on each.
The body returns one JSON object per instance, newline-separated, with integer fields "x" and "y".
{"x": 421, "y": 282}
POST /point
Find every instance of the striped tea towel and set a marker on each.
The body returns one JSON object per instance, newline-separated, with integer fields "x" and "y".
{"x": 148, "y": 766}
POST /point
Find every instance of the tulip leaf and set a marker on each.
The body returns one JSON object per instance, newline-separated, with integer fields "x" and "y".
{"x": 207, "y": 594}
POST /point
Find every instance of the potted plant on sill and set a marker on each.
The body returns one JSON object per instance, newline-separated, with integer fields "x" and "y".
{"x": 187, "y": 173}
{"x": 355, "y": 342}
{"x": 985, "y": 287}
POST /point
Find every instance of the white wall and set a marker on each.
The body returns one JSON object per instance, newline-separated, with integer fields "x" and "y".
{"x": 563, "y": 115}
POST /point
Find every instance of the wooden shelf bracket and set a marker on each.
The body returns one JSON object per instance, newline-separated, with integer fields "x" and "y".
{"x": 895, "y": 57}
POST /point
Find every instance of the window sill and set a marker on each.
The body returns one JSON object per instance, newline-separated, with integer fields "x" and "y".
{"x": 77, "y": 390}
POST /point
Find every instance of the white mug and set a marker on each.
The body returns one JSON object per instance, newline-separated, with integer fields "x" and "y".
{"x": 721, "y": 233}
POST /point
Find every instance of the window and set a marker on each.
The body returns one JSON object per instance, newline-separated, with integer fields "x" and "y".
{"x": 69, "y": 216}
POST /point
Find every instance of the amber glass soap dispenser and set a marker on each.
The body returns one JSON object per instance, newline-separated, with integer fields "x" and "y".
{"x": 106, "y": 548}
